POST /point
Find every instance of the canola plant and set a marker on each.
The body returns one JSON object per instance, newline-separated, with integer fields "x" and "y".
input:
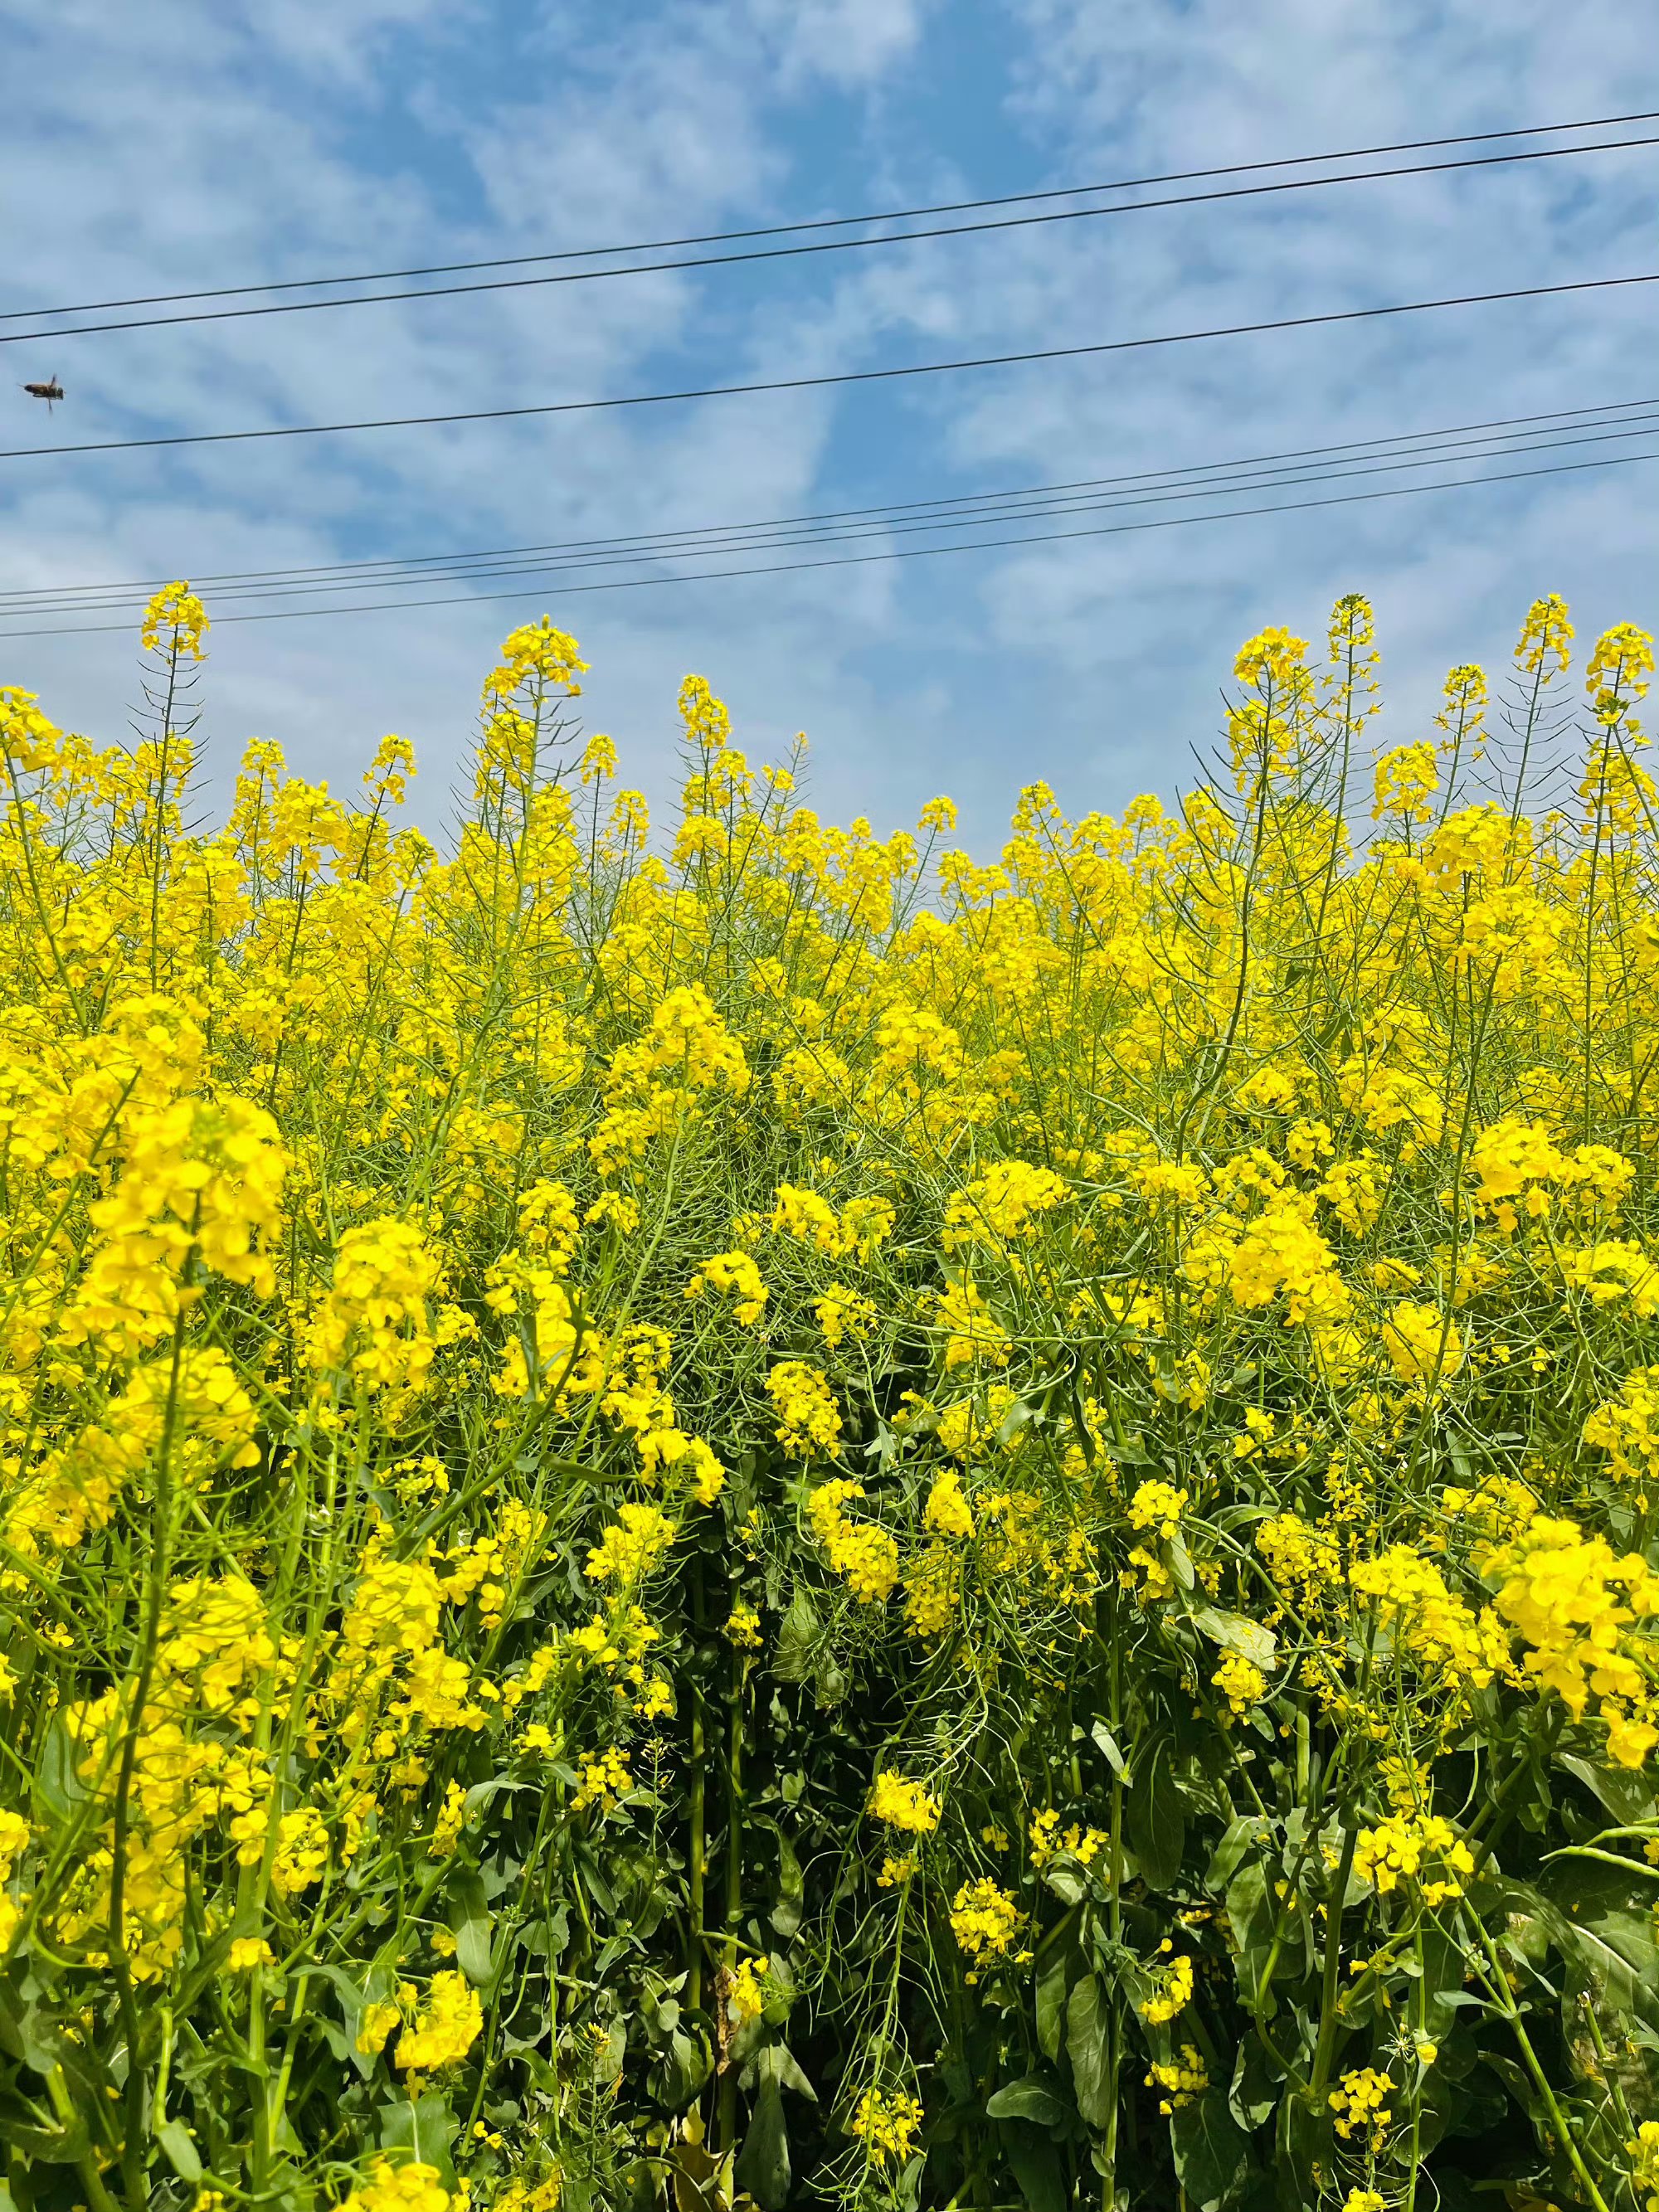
{"x": 750, "y": 1515}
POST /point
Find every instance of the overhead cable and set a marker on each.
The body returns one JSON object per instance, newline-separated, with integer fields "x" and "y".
{"x": 1610, "y": 410}
{"x": 793, "y": 252}
{"x": 825, "y": 222}
{"x": 835, "y": 377}
{"x": 1359, "y": 459}
{"x": 904, "y": 553}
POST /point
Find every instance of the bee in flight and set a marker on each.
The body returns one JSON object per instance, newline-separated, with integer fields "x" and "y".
{"x": 49, "y": 391}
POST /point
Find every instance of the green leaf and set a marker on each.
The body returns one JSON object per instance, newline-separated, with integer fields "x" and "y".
{"x": 798, "y": 1633}
{"x": 608, "y": 2060}
{"x": 1066, "y": 1878}
{"x": 777, "y": 2064}
{"x": 762, "y": 2166}
{"x": 1438, "y": 2106}
{"x": 598, "y": 1888}
{"x": 1601, "y": 1919}
{"x": 792, "y": 1888}
{"x": 1625, "y": 1794}
{"x": 1038, "y": 2170}
{"x": 1303, "y": 2144}
{"x": 1157, "y": 1819}
{"x": 174, "y": 2138}
{"x": 1444, "y": 1965}
{"x": 1013, "y": 1421}
{"x": 1109, "y": 1744}
{"x": 1051, "y": 2000}
{"x": 685, "y": 2065}
{"x": 1211, "y": 2151}
{"x": 468, "y": 1920}
{"x": 1029, "y": 2099}
{"x": 1250, "y": 1915}
{"x": 1236, "y": 1632}
{"x": 1515, "y": 2079}
{"x": 702, "y": 2183}
{"x": 1617, "y": 1960}
{"x": 57, "y": 1784}
{"x": 1088, "y": 2046}
{"x": 52, "y": 2146}
{"x": 1256, "y": 2085}
{"x": 28, "y": 2032}
{"x": 1239, "y": 1837}
{"x": 425, "y": 2127}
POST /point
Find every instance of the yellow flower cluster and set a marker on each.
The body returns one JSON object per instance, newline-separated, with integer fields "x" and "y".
{"x": 1178, "y": 2080}
{"x": 843, "y": 1312}
{"x": 1003, "y": 1202}
{"x": 14, "y": 1842}
{"x": 601, "y": 1781}
{"x": 887, "y": 2123}
{"x": 686, "y": 1055}
{"x": 1241, "y": 1682}
{"x": 632, "y": 1548}
{"x": 175, "y": 622}
{"x": 1049, "y": 1841}
{"x": 861, "y": 1552}
{"x": 408, "y": 2187}
{"x": 1172, "y": 1995}
{"x": 743, "y": 1626}
{"x": 1397, "y": 1852}
{"x": 1576, "y": 1604}
{"x": 1422, "y": 1343}
{"x": 858, "y": 1229}
{"x": 904, "y": 1805}
{"x": 1626, "y": 1428}
{"x": 733, "y": 1275}
{"x": 445, "y": 2027}
{"x": 985, "y": 1920}
{"x": 1451, "y": 1645}
{"x": 745, "y": 1994}
{"x": 947, "y": 1509}
{"x": 809, "y": 1421}
{"x": 1359, "y": 2104}
{"x": 1158, "y": 1506}
{"x": 1643, "y": 2152}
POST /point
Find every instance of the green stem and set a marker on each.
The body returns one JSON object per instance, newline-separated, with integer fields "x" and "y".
{"x": 1326, "y": 2049}
{"x": 1503, "y": 1997}
{"x": 1422, "y": 2008}
{"x": 1115, "y": 1925}
{"x": 697, "y": 1854}
{"x": 87, "y": 2165}
{"x": 726, "y": 2138}
{"x": 134, "y": 2128}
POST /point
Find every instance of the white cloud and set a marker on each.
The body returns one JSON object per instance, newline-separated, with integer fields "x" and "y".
{"x": 851, "y": 42}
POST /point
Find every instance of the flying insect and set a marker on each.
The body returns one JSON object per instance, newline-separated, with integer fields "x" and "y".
{"x": 49, "y": 391}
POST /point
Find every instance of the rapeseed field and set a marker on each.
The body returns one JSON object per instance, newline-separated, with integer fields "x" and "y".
{"x": 748, "y": 1514}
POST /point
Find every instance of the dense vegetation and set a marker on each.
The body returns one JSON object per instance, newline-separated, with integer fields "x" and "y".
{"x": 765, "y": 1514}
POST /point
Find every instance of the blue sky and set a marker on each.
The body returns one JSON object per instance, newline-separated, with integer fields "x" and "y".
{"x": 188, "y": 144}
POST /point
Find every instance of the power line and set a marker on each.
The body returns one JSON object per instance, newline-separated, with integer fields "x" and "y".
{"x": 1612, "y": 408}
{"x": 1361, "y": 457}
{"x": 827, "y": 222}
{"x": 793, "y": 252}
{"x": 765, "y": 540}
{"x": 906, "y": 553}
{"x": 840, "y": 376}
